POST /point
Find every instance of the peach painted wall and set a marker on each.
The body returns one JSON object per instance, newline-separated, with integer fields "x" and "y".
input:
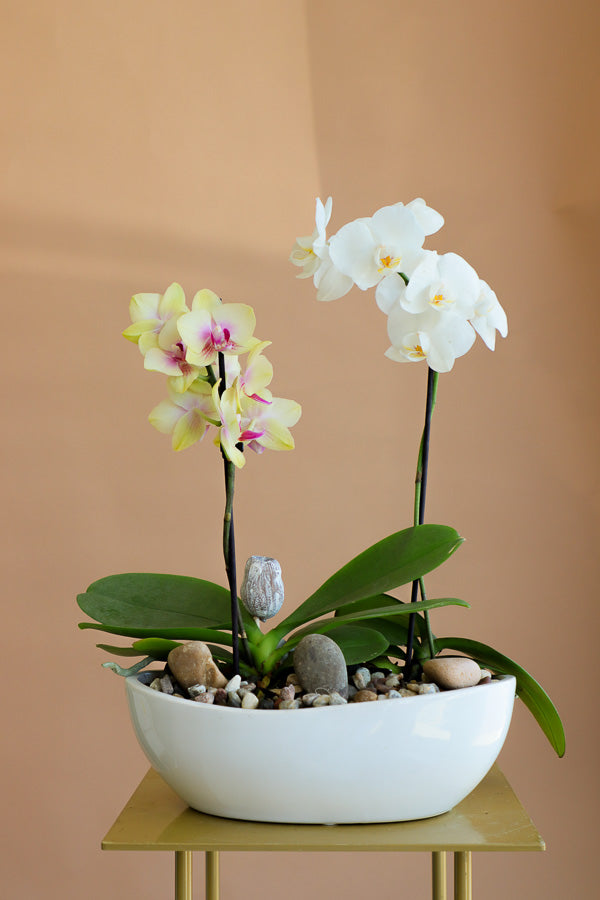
{"x": 145, "y": 142}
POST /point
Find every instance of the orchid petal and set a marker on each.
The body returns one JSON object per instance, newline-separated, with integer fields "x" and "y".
{"x": 353, "y": 252}
{"x": 190, "y": 428}
{"x": 489, "y": 316}
{"x": 331, "y": 284}
{"x": 390, "y": 291}
{"x": 429, "y": 220}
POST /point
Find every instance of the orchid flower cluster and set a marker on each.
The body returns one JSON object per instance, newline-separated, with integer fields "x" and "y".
{"x": 436, "y": 304}
{"x": 186, "y": 345}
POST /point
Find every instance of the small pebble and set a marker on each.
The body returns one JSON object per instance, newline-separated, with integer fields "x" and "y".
{"x": 192, "y": 663}
{"x": 309, "y": 699}
{"x": 336, "y": 699}
{"x": 361, "y": 678}
{"x": 290, "y": 704}
{"x": 452, "y": 672}
{"x": 393, "y": 694}
{"x": 425, "y": 688}
{"x": 155, "y": 685}
{"x": 166, "y": 685}
{"x": 204, "y": 698}
{"x": 322, "y": 700}
{"x": 233, "y": 684}
{"x": 220, "y": 696}
{"x": 393, "y": 681}
{"x": 249, "y": 701}
{"x": 364, "y": 696}
{"x": 266, "y": 703}
{"x": 195, "y": 689}
{"x": 293, "y": 679}
{"x": 288, "y": 692}
{"x": 233, "y": 699}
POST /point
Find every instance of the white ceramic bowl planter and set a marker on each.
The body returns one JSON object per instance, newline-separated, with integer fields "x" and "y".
{"x": 366, "y": 762}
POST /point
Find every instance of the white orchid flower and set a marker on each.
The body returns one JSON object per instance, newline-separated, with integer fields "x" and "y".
{"x": 438, "y": 337}
{"x": 489, "y": 316}
{"x": 366, "y": 250}
{"x": 308, "y": 251}
{"x": 443, "y": 283}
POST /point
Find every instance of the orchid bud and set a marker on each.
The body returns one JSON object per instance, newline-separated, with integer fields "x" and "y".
{"x": 262, "y": 587}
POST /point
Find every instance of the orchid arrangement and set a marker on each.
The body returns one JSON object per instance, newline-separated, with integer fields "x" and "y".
{"x": 218, "y": 381}
{"x": 436, "y": 305}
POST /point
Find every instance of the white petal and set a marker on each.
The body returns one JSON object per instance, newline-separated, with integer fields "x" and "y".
{"x": 452, "y": 337}
{"x": 396, "y": 226}
{"x": 489, "y": 316}
{"x": 353, "y": 252}
{"x": 390, "y": 291}
{"x": 323, "y": 214}
{"x": 463, "y": 280}
{"x": 429, "y": 220}
{"x": 416, "y": 298}
{"x": 331, "y": 284}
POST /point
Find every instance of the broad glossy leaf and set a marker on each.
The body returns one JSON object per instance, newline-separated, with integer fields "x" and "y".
{"x": 153, "y": 601}
{"x": 396, "y": 632}
{"x": 157, "y": 647}
{"x": 531, "y": 693}
{"x": 358, "y": 645}
{"x": 120, "y": 651}
{"x": 386, "y": 665}
{"x": 397, "y": 559}
{"x": 184, "y": 633}
{"x": 385, "y": 600}
{"x": 358, "y": 618}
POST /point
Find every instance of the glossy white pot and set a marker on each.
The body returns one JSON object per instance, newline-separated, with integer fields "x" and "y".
{"x": 387, "y": 761}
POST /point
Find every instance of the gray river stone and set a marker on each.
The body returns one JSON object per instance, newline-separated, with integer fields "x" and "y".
{"x": 320, "y": 665}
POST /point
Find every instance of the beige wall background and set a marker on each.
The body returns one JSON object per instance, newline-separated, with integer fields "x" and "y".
{"x": 146, "y": 142}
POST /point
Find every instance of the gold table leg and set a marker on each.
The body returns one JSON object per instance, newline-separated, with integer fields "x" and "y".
{"x": 211, "y": 865}
{"x": 183, "y": 875}
{"x": 462, "y": 876}
{"x": 438, "y": 875}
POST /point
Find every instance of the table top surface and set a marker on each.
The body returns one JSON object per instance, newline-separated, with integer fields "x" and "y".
{"x": 490, "y": 818}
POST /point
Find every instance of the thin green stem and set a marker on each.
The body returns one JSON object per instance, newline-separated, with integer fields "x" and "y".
{"x": 229, "y": 543}
{"x": 419, "y": 511}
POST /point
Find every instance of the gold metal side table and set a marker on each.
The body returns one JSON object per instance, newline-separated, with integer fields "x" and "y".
{"x": 489, "y": 819}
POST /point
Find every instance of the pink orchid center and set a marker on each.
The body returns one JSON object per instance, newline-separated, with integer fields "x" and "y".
{"x": 221, "y": 337}
{"x": 251, "y": 435}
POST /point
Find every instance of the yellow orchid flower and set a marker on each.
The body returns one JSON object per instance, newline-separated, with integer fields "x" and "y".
{"x": 167, "y": 354}
{"x": 267, "y": 425}
{"x": 185, "y": 415}
{"x": 227, "y": 406}
{"x": 150, "y": 312}
{"x": 258, "y": 373}
{"x": 212, "y": 327}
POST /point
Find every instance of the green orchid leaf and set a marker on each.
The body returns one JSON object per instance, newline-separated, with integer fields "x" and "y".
{"x": 356, "y": 643}
{"x": 531, "y": 693}
{"x": 220, "y": 654}
{"x": 151, "y": 601}
{"x": 360, "y": 618}
{"x": 120, "y": 651}
{"x": 380, "y": 600}
{"x": 386, "y": 665}
{"x": 398, "y": 559}
{"x": 394, "y": 631}
{"x": 157, "y": 647}
{"x": 183, "y": 633}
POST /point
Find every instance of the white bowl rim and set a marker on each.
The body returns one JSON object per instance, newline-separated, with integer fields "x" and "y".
{"x": 134, "y": 684}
